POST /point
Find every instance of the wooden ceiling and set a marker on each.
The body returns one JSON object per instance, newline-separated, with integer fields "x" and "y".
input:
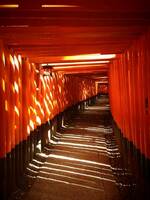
{"x": 47, "y": 34}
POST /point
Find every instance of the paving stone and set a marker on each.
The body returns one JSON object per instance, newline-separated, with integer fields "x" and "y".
{"x": 84, "y": 163}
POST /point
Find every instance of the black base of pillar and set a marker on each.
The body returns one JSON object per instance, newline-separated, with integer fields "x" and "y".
{"x": 13, "y": 166}
{"x": 131, "y": 150}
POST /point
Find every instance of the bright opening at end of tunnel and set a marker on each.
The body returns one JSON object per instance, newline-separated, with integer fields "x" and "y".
{"x": 90, "y": 57}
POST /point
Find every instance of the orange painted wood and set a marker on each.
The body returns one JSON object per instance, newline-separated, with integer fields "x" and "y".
{"x": 129, "y": 91}
{"x": 29, "y": 98}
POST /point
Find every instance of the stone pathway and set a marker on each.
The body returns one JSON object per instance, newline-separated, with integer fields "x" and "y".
{"x": 82, "y": 162}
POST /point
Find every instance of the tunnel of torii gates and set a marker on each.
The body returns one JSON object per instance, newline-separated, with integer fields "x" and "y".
{"x": 54, "y": 56}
